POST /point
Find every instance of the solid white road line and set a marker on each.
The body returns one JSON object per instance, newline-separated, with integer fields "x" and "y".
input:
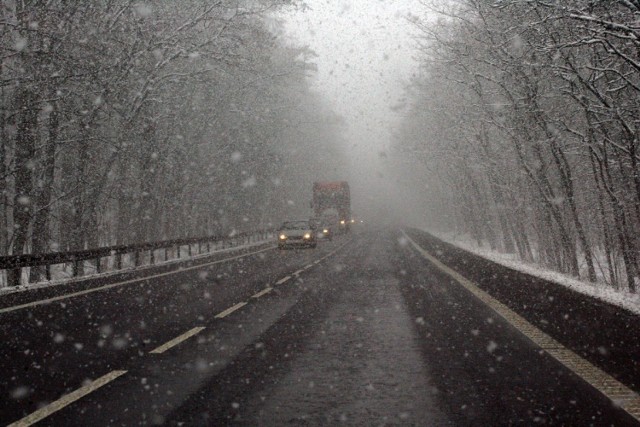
{"x": 113, "y": 285}
{"x": 262, "y": 292}
{"x": 65, "y": 400}
{"x": 177, "y": 340}
{"x": 308, "y": 266}
{"x": 297, "y": 273}
{"x": 617, "y": 392}
{"x": 284, "y": 279}
{"x": 230, "y": 310}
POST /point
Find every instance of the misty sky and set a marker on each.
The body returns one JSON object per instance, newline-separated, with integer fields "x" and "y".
{"x": 365, "y": 59}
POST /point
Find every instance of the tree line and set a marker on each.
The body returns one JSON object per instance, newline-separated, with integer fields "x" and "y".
{"x": 123, "y": 121}
{"x": 526, "y": 117}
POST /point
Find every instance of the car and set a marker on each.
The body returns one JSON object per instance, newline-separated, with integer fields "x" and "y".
{"x": 326, "y": 232}
{"x": 322, "y": 227}
{"x": 297, "y": 233}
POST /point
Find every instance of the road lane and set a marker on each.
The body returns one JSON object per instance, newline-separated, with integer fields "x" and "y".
{"x": 373, "y": 334}
{"x": 486, "y": 371}
{"x": 358, "y": 364}
{"x": 50, "y": 350}
{"x": 154, "y": 387}
{"x": 363, "y": 355}
{"x": 614, "y": 390}
{"x": 601, "y": 333}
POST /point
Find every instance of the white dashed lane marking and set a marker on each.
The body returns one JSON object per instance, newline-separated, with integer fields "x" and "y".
{"x": 67, "y": 399}
{"x": 262, "y": 292}
{"x": 284, "y": 279}
{"x": 617, "y": 392}
{"x": 230, "y": 310}
{"x": 177, "y": 340}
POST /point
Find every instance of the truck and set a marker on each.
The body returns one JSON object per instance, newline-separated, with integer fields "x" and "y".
{"x": 332, "y": 200}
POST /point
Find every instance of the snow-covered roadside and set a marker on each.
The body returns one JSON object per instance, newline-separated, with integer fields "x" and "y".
{"x": 601, "y": 291}
{"x": 67, "y": 280}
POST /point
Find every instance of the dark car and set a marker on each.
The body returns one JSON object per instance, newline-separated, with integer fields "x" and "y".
{"x": 322, "y": 227}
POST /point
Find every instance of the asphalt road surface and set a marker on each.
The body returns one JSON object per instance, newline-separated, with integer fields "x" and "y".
{"x": 362, "y": 330}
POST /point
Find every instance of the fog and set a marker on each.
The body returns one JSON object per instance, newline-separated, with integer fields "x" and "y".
{"x": 496, "y": 140}
{"x": 365, "y": 58}
{"x": 320, "y": 212}
{"x": 203, "y": 119}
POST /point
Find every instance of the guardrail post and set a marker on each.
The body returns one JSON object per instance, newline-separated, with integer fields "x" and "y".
{"x": 47, "y": 271}
{"x": 189, "y": 249}
{"x": 136, "y": 258}
{"x": 118, "y": 261}
{"x": 75, "y": 269}
{"x": 98, "y": 266}
{"x": 166, "y": 254}
{"x": 152, "y": 257}
{"x": 178, "y": 248}
{"x": 14, "y": 276}
{"x": 208, "y": 246}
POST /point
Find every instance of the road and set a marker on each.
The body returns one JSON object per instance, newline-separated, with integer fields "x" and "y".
{"x": 361, "y": 331}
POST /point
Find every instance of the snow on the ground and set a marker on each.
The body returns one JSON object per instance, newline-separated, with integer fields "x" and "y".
{"x": 62, "y": 273}
{"x": 601, "y": 291}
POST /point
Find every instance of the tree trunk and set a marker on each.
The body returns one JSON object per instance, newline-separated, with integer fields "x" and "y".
{"x": 545, "y": 191}
{"x": 619, "y": 216}
{"x": 41, "y": 232}
{"x": 24, "y": 161}
{"x": 4, "y": 184}
{"x": 567, "y": 182}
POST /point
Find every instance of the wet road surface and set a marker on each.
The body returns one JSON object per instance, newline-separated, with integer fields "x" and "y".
{"x": 360, "y": 331}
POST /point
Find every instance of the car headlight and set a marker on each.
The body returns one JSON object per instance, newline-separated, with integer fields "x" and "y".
{"x": 342, "y": 221}
{"x": 325, "y": 231}
{"x": 283, "y": 236}
{"x": 352, "y": 221}
{"x": 307, "y": 235}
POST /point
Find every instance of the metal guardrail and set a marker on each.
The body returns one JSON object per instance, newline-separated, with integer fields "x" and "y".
{"x": 13, "y": 264}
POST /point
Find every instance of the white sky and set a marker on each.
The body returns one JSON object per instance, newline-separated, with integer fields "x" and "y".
{"x": 365, "y": 58}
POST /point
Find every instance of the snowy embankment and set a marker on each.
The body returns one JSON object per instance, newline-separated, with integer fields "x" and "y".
{"x": 600, "y": 291}
{"x": 61, "y": 273}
